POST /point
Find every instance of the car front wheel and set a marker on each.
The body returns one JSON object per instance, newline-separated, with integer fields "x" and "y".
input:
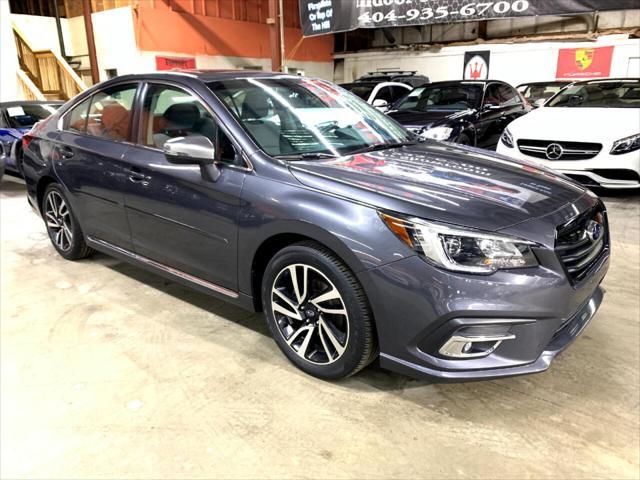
{"x": 317, "y": 312}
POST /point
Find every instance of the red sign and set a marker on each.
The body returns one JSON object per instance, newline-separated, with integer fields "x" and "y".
{"x": 170, "y": 63}
{"x": 584, "y": 62}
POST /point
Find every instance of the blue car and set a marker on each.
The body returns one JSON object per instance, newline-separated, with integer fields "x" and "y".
{"x": 16, "y": 119}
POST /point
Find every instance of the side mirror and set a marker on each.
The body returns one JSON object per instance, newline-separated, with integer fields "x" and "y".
{"x": 380, "y": 103}
{"x": 193, "y": 150}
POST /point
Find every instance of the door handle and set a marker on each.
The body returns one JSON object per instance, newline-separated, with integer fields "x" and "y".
{"x": 136, "y": 176}
{"x": 66, "y": 152}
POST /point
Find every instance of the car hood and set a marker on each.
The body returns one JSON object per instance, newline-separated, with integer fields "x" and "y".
{"x": 428, "y": 118}
{"x": 443, "y": 182}
{"x": 577, "y": 124}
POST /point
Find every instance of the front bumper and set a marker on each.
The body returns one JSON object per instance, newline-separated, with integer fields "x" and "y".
{"x": 594, "y": 172}
{"x": 418, "y": 307}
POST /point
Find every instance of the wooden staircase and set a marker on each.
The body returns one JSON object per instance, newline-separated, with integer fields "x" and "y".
{"x": 44, "y": 74}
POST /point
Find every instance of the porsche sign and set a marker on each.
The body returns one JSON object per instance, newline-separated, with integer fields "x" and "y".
{"x": 576, "y": 63}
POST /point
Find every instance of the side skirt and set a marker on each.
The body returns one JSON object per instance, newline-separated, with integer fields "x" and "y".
{"x": 170, "y": 273}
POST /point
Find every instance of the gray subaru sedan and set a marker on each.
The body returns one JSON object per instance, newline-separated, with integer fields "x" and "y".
{"x": 359, "y": 242}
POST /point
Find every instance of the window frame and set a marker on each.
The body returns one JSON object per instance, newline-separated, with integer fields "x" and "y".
{"x": 63, "y": 125}
{"x": 138, "y": 128}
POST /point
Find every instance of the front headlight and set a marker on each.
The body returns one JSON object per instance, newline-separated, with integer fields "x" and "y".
{"x": 459, "y": 249}
{"x": 437, "y": 133}
{"x": 626, "y": 145}
{"x": 507, "y": 138}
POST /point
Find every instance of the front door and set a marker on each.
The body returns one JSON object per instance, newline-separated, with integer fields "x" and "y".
{"x": 178, "y": 217}
{"x": 89, "y": 161}
{"x": 501, "y": 105}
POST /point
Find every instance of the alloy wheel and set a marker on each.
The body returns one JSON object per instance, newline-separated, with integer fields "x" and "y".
{"x": 58, "y": 219}
{"x": 310, "y": 313}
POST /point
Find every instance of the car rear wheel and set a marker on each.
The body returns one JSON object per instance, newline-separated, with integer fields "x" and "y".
{"x": 317, "y": 312}
{"x": 62, "y": 226}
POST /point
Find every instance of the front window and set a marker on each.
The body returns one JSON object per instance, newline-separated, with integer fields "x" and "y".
{"x": 442, "y": 97}
{"x": 25, "y": 116}
{"x": 618, "y": 94}
{"x": 293, "y": 117}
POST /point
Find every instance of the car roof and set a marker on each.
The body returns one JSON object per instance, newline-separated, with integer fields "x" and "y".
{"x": 605, "y": 80}
{"x": 550, "y": 82}
{"x": 460, "y": 82}
{"x": 205, "y": 75}
{"x": 17, "y": 103}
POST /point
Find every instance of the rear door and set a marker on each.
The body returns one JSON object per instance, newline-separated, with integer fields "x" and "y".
{"x": 179, "y": 218}
{"x": 89, "y": 161}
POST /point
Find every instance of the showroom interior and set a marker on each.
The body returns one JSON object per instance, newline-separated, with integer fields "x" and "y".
{"x": 319, "y": 239}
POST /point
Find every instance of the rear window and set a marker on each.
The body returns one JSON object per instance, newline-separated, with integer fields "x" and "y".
{"x": 24, "y": 116}
{"x": 362, "y": 91}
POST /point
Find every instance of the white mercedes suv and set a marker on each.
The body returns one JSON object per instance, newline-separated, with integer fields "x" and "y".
{"x": 590, "y": 131}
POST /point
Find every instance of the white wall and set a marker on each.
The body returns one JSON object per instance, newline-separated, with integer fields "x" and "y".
{"x": 41, "y": 32}
{"x": 8, "y": 57}
{"x": 513, "y": 63}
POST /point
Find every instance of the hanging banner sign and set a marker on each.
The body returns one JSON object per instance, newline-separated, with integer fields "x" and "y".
{"x": 584, "y": 62}
{"x": 328, "y": 16}
{"x": 476, "y": 65}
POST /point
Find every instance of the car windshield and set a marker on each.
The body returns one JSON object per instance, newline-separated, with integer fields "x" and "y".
{"x": 442, "y": 97}
{"x": 27, "y": 115}
{"x": 301, "y": 117}
{"x": 619, "y": 94}
{"x": 359, "y": 89}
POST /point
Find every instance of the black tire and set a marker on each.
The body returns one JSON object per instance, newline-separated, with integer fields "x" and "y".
{"x": 464, "y": 139}
{"x": 67, "y": 237}
{"x": 326, "y": 361}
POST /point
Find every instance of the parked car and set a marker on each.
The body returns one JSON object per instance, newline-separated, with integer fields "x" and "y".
{"x": 467, "y": 112}
{"x": 536, "y": 93}
{"x": 408, "y": 77}
{"x": 590, "y": 131}
{"x": 380, "y": 95}
{"x": 288, "y": 195}
{"x": 16, "y": 119}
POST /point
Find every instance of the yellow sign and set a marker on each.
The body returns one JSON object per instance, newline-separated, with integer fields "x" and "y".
{"x": 584, "y": 58}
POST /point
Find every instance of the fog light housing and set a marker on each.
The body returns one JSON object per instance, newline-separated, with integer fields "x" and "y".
{"x": 473, "y": 345}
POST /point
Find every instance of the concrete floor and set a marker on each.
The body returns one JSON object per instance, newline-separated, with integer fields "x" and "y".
{"x": 108, "y": 371}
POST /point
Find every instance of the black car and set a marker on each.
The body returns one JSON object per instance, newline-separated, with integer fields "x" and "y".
{"x": 467, "y": 112}
{"x": 16, "y": 119}
{"x": 408, "y": 77}
{"x": 536, "y": 93}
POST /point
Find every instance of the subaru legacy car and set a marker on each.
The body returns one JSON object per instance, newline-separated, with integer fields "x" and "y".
{"x": 466, "y": 112}
{"x": 16, "y": 119}
{"x": 590, "y": 131}
{"x": 288, "y": 195}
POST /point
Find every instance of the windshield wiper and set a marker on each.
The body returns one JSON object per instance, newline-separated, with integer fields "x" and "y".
{"x": 381, "y": 146}
{"x": 306, "y": 156}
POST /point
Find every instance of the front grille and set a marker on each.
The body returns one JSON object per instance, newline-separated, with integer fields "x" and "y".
{"x": 579, "y": 247}
{"x": 548, "y": 149}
